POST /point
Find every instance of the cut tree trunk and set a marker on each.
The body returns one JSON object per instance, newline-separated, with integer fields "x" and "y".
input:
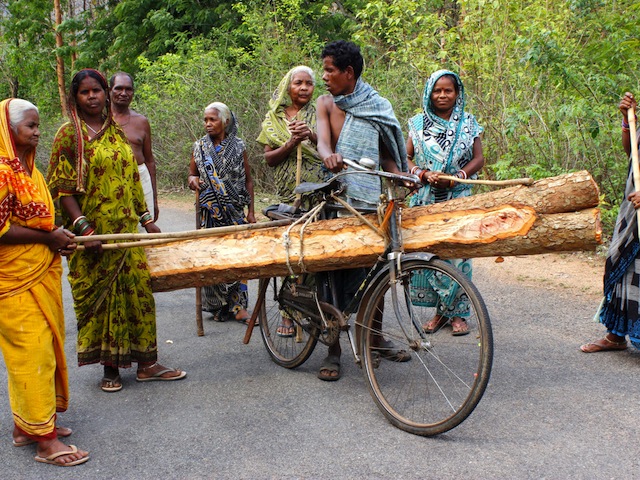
{"x": 570, "y": 192}
{"x": 553, "y": 215}
{"x": 346, "y": 243}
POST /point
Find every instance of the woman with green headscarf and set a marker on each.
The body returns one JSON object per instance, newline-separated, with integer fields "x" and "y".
{"x": 290, "y": 125}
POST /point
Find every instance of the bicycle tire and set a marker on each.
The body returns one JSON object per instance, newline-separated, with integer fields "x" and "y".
{"x": 447, "y": 375}
{"x": 286, "y": 351}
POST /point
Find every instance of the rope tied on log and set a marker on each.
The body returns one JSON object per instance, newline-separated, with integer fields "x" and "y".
{"x": 307, "y": 218}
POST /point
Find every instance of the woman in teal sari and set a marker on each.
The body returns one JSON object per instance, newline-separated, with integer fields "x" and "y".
{"x": 94, "y": 176}
{"x": 443, "y": 139}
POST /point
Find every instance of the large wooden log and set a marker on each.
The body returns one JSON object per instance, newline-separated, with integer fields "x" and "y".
{"x": 347, "y": 243}
{"x": 570, "y": 192}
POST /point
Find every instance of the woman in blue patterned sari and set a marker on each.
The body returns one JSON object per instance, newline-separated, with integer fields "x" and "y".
{"x": 443, "y": 139}
{"x": 219, "y": 168}
{"x": 620, "y": 308}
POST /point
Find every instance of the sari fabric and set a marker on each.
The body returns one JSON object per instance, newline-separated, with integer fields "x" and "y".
{"x": 442, "y": 146}
{"x": 113, "y": 301}
{"x": 369, "y": 120}
{"x": 223, "y": 197}
{"x": 620, "y": 311}
{"x": 32, "y": 329}
{"x": 275, "y": 133}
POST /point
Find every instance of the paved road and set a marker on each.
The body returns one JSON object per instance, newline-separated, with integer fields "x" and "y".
{"x": 549, "y": 411}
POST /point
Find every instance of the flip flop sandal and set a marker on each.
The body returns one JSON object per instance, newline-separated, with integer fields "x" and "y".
{"x": 598, "y": 346}
{"x": 285, "y": 331}
{"x": 51, "y": 459}
{"x": 389, "y": 351}
{"x": 111, "y": 385}
{"x": 29, "y": 441}
{"x": 460, "y": 328}
{"x": 330, "y": 365}
{"x": 157, "y": 377}
{"x": 435, "y": 324}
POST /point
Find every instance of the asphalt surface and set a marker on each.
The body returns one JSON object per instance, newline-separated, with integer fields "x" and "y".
{"x": 550, "y": 411}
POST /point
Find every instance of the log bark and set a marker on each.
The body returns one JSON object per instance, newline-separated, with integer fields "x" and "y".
{"x": 346, "y": 243}
{"x": 570, "y": 192}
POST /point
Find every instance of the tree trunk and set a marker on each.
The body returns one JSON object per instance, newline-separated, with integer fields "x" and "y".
{"x": 347, "y": 243}
{"x": 59, "y": 60}
{"x": 540, "y": 218}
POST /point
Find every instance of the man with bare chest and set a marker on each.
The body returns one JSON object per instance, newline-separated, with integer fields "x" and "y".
{"x": 354, "y": 122}
{"x": 138, "y": 131}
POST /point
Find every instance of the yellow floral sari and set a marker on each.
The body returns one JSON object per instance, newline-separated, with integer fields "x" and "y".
{"x": 32, "y": 326}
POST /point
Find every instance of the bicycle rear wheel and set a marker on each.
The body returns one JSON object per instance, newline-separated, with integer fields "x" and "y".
{"x": 447, "y": 375}
{"x": 289, "y": 351}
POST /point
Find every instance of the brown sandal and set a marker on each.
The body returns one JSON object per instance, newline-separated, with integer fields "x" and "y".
{"x": 436, "y": 323}
{"x": 603, "y": 345}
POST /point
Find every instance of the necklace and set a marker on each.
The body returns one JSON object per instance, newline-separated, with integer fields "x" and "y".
{"x": 91, "y": 128}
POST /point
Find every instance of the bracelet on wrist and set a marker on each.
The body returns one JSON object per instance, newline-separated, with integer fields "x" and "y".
{"x": 462, "y": 174}
{"x": 78, "y": 219}
{"x": 451, "y": 183}
{"x": 145, "y": 218}
{"x": 625, "y": 129}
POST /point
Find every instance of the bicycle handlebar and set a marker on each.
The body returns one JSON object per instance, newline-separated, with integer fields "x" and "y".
{"x": 359, "y": 168}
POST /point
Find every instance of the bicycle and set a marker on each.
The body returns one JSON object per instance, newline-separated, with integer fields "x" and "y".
{"x": 447, "y": 375}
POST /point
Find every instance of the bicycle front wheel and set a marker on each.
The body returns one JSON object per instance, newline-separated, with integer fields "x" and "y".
{"x": 447, "y": 375}
{"x": 288, "y": 348}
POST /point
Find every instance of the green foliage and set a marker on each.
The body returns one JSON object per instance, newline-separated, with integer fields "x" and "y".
{"x": 543, "y": 78}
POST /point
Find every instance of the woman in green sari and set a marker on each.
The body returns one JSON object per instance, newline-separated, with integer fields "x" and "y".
{"x": 94, "y": 176}
{"x": 289, "y": 126}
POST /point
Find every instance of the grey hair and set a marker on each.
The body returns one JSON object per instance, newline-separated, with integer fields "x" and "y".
{"x": 17, "y": 110}
{"x": 222, "y": 109}
{"x": 305, "y": 69}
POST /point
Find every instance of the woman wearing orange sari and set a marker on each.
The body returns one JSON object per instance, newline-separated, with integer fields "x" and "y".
{"x": 32, "y": 335}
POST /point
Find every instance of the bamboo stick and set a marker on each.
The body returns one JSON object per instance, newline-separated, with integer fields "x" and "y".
{"x": 167, "y": 237}
{"x": 496, "y": 183}
{"x": 635, "y": 168}
{"x": 199, "y": 325}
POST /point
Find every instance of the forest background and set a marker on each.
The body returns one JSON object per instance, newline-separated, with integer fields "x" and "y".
{"x": 544, "y": 78}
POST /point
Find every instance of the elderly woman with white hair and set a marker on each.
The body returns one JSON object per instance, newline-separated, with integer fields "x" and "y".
{"x": 32, "y": 329}
{"x": 289, "y": 126}
{"x": 219, "y": 169}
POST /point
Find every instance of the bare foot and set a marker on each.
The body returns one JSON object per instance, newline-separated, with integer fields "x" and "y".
{"x": 57, "y": 453}
{"x": 20, "y": 440}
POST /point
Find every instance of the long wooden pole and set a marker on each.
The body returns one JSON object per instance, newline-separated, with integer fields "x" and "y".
{"x": 166, "y": 237}
{"x": 496, "y": 183}
{"x": 298, "y": 199}
{"x": 199, "y": 326}
{"x": 635, "y": 168}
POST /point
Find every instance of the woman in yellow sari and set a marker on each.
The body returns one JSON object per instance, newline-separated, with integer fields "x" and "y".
{"x": 93, "y": 172}
{"x": 32, "y": 323}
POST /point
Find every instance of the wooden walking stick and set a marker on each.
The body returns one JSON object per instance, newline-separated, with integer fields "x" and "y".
{"x": 298, "y": 199}
{"x": 199, "y": 326}
{"x": 495, "y": 183}
{"x": 635, "y": 168}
